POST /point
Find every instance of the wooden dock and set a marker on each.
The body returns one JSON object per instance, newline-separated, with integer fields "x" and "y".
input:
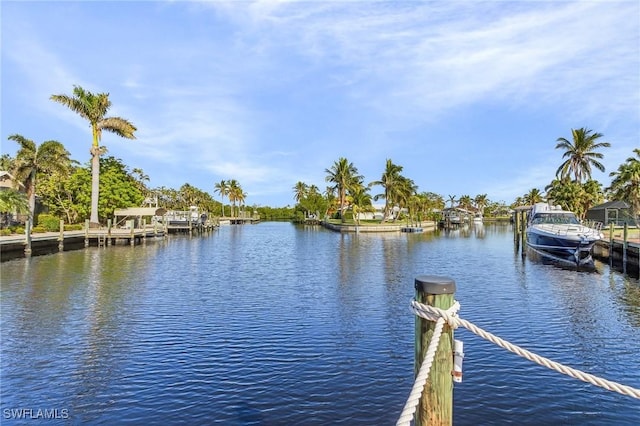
{"x": 131, "y": 232}
{"x": 27, "y": 243}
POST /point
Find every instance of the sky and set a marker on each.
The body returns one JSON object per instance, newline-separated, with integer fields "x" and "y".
{"x": 469, "y": 97}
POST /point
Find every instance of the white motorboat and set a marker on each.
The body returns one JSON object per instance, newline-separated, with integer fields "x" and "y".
{"x": 558, "y": 234}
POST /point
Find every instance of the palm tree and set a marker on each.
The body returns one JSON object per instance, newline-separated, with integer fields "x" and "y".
{"x": 12, "y": 201}
{"x": 141, "y": 178}
{"x": 480, "y": 201}
{"x": 533, "y": 196}
{"x": 625, "y": 185}
{"x": 32, "y": 160}
{"x": 93, "y": 108}
{"x": 452, "y": 199}
{"x": 222, "y": 188}
{"x": 343, "y": 174}
{"x": 465, "y": 202}
{"x": 330, "y": 196}
{"x": 300, "y": 191}
{"x": 360, "y": 200}
{"x": 241, "y": 197}
{"x": 566, "y": 193}
{"x": 580, "y": 154}
{"x": 234, "y": 193}
{"x": 390, "y": 181}
{"x": 405, "y": 189}
{"x": 6, "y": 162}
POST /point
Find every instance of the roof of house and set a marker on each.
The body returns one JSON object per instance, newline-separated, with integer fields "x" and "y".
{"x": 5, "y": 175}
{"x": 611, "y": 205}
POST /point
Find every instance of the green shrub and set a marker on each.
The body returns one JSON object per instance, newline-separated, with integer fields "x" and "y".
{"x": 5, "y": 232}
{"x": 49, "y": 222}
{"x": 18, "y": 230}
{"x": 76, "y": 227}
{"x": 38, "y": 229}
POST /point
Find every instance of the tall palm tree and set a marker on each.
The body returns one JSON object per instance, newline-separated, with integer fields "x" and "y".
{"x": 222, "y": 188}
{"x": 452, "y": 200}
{"x": 235, "y": 194}
{"x": 343, "y": 174}
{"x": 580, "y": 154}
{"x": 390, "y": 181}
{"x": 32, "y": 160}
{"x": 625, "y": 185}
{"x": 300, "y": 191}
{"x": 93, "y": 108}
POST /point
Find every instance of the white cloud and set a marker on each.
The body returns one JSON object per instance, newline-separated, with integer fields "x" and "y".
{"x": 276, "y": 91}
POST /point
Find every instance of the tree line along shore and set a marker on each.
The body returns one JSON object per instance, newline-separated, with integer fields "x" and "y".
{"x": 68, "y": 190}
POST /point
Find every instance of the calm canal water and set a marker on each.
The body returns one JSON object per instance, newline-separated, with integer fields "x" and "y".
{"x": 274, "y": 324}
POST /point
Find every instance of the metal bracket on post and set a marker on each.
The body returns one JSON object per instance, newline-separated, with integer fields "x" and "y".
{"x": 458, "y": 356}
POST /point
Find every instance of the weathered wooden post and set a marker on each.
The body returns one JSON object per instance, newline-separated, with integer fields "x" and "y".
{"x": 516, "y": 229}
{"x": 108, "y": 232}
{"x": 625, "y": 245}
{"x": 27, "y": 238}
{"x": 132, "y": 225}
{"x": 144, "y": 231}
{"x": 86, "y": 233}
{"x": 436, "y": 403}
{"x": 523, "y": 230}
{"x": 61, "y": 236}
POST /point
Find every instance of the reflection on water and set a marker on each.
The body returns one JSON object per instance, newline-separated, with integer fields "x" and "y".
{"x": 282, "y": 324}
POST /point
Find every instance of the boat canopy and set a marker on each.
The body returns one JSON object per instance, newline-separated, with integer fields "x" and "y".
{"x": 139, "y": 212}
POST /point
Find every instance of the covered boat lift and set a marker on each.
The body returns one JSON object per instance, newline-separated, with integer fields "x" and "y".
{"x": 137, "y": 214}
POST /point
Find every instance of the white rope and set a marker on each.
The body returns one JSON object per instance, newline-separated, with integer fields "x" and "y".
{"x": 423, "y": 373}
{"x": 421, "y": 379}
{"x": 430, "y": 312}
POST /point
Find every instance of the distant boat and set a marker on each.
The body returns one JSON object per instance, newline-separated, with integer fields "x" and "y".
{"x": 477, "y": 217}
{"x": 558, "y": 234}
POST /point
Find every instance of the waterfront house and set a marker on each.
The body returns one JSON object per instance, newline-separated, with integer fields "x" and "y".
{"x": 616, "y": 212}
{"x": 7, "y": 182}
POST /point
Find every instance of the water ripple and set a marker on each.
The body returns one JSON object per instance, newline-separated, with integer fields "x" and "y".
{"x": 275, "y": 324}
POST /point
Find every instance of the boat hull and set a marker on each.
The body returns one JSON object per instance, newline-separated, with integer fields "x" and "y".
{"x": 571, "y": 247}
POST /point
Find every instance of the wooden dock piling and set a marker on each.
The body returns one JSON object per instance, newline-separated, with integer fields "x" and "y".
{"x": 27, "y": 230}
{"x": 436, "y": 403}
{"x": 61, "y": 236}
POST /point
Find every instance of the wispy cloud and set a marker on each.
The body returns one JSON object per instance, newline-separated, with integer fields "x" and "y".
{"x": 273, "y": 92}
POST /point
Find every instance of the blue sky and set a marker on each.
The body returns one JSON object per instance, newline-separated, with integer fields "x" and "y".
{"x": 468, "y": 97}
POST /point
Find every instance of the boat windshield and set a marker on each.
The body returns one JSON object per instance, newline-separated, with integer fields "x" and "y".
{"x": 557, "y": 218}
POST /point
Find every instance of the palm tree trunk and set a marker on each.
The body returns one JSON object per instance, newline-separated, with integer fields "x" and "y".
{"x": 31, "y": 192}
{"x": 95, "y": 183}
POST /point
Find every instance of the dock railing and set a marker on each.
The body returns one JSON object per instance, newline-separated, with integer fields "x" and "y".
{"x": 438, "y": 357}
